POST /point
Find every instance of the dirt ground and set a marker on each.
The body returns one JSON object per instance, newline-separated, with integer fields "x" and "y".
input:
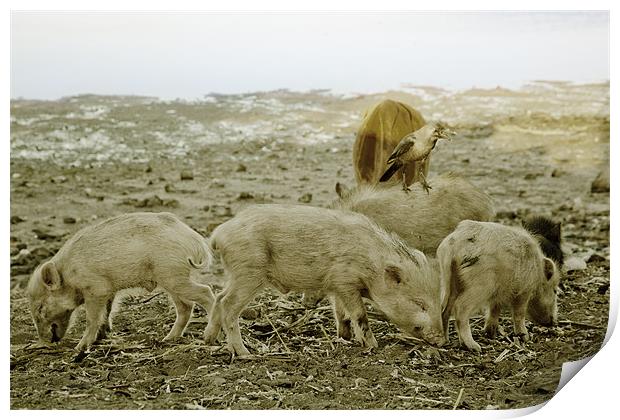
{"x": 77, "y": 160}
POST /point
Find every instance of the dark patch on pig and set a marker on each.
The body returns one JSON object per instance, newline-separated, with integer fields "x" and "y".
{"x": 472, "y": 239}
{"x": 108, "y": 306}
{"x": 548, "y": 234}
{"x": 456, "y": 282}
{"x": 367, "y": 155}
{"x": 148, "y": 267}
{"x": 403, "y": 250}
{"x": 468, "y": 261}
{"x": 362, "y": 321}
{"x": 102, "y": 333}
{"x": 269, "y": 255}
{"x": 394, "y": 273}
{"x": 55, "y": 337}
{"x": 345, "y": 331}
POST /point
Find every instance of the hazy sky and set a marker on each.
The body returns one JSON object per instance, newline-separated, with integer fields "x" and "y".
{"x": 187, "y": 55}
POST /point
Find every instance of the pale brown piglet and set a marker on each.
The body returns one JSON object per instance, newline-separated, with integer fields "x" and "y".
{"x": 339, "y": 253}
{"x": 490, "y": 266}
{"x": 136, "y": 250}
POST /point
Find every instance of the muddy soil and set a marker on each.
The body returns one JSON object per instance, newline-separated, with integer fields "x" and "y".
{"x": 78, "y": 160}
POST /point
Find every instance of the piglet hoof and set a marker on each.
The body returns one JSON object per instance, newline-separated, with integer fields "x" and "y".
{"x": 210, "y": 339}
{"x": 340, "y": 340}
{"x": 82, "y": 347}
{"x": 490, "y": 331}
{"x": 345, "y": 333}
{"x": 41, "y": 345}
{"x": 239, "y": 350}
{"x": 370, "y": 343}
{"x": 80, "y": 357}
{"x": 102, "y": 334}
{"x": 171, "y": 337}
{"x": 473, "y": 346}
{"x": 524, "y": 337}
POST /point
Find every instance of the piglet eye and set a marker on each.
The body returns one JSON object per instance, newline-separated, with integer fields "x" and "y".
{"x": 421, "y": 304}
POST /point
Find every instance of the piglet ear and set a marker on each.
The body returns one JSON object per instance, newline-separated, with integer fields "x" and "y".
{"x": 50, "y": 276}
{"x": 341, "y": 189}
{"x": 392, "y": 275}
{"x": 549, "y": 268}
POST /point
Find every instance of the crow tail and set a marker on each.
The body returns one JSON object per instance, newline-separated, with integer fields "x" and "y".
{"x": 390, "y": 171}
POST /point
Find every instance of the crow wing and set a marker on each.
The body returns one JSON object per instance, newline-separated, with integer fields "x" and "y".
{"x": 401, "y": 148}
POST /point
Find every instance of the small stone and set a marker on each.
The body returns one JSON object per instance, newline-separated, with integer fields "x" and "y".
{"x": 531, "y": 176}
{"x": 90, "y": 194}
{"x": 250, "y": 314}
{"x": 59, "y": 179}
{"x": 186, "y": 175}
{"x": 171, "y": 202}
{"x": 206, "y": 208}
{"x": 596, "y": 258}
{"x": 574, "y": 264}
{"x": 556, "y": 173}
{"x": 69, "y": 220}
{"x": 603, "y": 289}
{"x": 44, "y": 235}
{"x": 601, "y": 183}
{"x": 21, "y": 246}
{"x": 41, "y": 252}
{"x": 16, "y": 219}
{"x": 245, "y": 196}
{"x": 222, "y": 211}
{"x": 23, "y": 257}
{"x": 506, "y": 214}
{"x": 148, "y": 169}
{"x": 217, "y": 381}
{"x": 211, "y": 227}
{"x": 306, "y": 198}
{"x": 169, "y": 188}
{"x": 241, "y": 168}
{"x": 152, "y": 201}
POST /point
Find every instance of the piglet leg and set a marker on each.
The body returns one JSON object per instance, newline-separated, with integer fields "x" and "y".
{"x": 519, "y": 310}
{"x": 462, "y": 311}
{"x": 354, "y": 306}
{"x": 343, "y": 323}
{"x": 491, "y": 322}
{"x": 184, "y": 313}
{"x": 106, "y": 327}
{"x": 96, "y": 317}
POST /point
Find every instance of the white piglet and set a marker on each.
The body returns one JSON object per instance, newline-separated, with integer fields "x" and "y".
{"x": 337, "y": 253}
{"x": 136, "y": 250}
{"x": 486, "y": 265}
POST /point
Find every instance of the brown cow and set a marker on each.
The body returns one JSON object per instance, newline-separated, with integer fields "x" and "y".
{"x": 382, "y": 128}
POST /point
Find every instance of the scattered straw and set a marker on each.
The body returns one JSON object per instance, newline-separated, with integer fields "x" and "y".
{"x": 458, "y": 399}
{"x": 277, "y": 333}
